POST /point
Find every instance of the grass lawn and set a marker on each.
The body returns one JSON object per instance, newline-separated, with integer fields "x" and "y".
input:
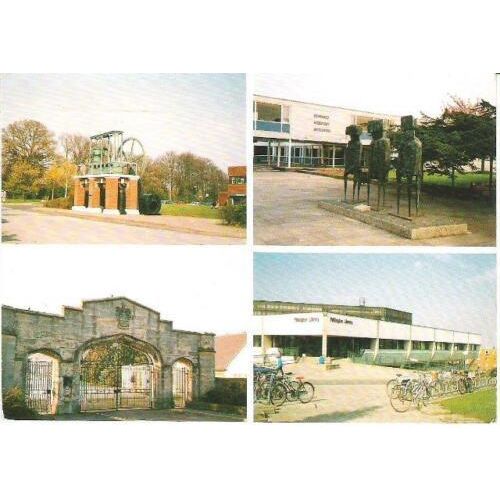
{"x": 461, "y": 180}
{"x": 481, "y": 405}
{"x": 186, "y": 210}
{"x": 21, "y": 200}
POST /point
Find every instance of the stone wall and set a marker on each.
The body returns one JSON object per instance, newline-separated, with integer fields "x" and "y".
{"x": 67, "y": 337}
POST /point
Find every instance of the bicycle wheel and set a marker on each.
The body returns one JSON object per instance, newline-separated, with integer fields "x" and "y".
{"x": 278, "y": 394}
{"x": 400, "y": 399}
{"x": 262, "y": 391}
{"x": 436, "y": 389}
{"x": 292, "y": 393}
{"x": 306, "y": 392}
{"x": 462, "y": 386}
{"x": 390, "y": 385}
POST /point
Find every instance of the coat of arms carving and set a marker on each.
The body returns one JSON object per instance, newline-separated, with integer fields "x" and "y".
{"x": 123, "y": 315}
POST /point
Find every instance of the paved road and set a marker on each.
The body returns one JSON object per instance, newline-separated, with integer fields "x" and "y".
{"x": 23, "y": 225}
{"x": 351, "y": 393}
{"x": 286, "y": 212}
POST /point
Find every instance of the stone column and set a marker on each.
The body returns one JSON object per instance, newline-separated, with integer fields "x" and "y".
{"x": 111, "y": 204}
{"x": 166, "y": 386}
{"x": 79, "y": 196}
{"x": 324, "y": 336}
{"x": 133, "y": 197}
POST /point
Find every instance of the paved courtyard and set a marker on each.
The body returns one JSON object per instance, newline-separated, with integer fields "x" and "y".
{"x": 349, "y": 393}
{"x": 28, "y": 224}
{"x": 185, "y": 415}
{"x": 286, "y": 212}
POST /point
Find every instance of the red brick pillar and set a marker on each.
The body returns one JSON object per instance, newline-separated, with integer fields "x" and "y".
{"x": 112, "y": 194}
{"x": 132, "y": 196}
{"x": 79, "y": 195}
{"x": 94, "y": 194}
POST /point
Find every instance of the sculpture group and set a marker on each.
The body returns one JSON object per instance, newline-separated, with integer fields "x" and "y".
{"x": 378, "y": 159}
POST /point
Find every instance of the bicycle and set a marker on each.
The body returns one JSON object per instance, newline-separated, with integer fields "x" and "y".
{"x": 298, "y": 389}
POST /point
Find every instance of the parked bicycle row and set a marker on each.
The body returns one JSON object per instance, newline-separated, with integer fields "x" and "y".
{"x": 405, "y": 391}
{"x": 273, "y": 386}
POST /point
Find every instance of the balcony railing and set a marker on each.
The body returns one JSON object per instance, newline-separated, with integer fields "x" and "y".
{"x": 272, "y": 126}
{"x": 296, "y": 161}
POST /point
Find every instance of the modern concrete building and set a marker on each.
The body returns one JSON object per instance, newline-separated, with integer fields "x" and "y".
{"x": 236, "y": 193}
{"x": 370, "y": 334}
{"x": 289, "y": 133}
{"x": 109, "y": 354}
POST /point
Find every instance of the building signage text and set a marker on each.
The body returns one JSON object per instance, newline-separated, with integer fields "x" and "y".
{"x": 340, "y": 320}
{"x": 323, "y": 121}
{"x": 306, "y": 320}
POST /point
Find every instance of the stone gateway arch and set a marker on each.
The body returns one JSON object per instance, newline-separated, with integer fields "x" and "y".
{"x": 109, "y": 354}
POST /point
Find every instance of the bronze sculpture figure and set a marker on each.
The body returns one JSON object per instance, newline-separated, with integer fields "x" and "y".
{"x": 409, "y": 169}
{"x": 353, "y": 159}
{"x": 380, "y": 163}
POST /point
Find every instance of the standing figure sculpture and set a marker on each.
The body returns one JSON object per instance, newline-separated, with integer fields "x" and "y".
{"x": 353, "y": 159}
{"x": 409, "y": 168}
{"x": 380, "y": 162}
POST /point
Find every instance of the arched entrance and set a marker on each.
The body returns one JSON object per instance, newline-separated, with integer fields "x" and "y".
{"x": 182, "y": 382}
{"x": 42, "y": 382}
{"x": 118, "y": 374}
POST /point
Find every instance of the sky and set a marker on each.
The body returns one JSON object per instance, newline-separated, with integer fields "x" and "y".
{"x": 451, "y": 291}
{"x": 199, "y": 288}
{"x": 204, "y": 114}
{"x": 394, "y": 92}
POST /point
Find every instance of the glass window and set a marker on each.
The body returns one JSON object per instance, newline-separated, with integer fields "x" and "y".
{"x": 268, "y": 112}
{"x": 257, "y": 341}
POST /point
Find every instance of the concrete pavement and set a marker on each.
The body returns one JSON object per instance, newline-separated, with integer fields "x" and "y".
{"x": 28, "y": 224}
{"x": 286, "y": 212}
{"x": 350, "y": 393}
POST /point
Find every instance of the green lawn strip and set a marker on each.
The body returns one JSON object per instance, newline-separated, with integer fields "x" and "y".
{"x": 20, "y": 200}
{"x": 186, "y": 210}
{"x": 461, "y": 180}
{"x": 481, "y": 405}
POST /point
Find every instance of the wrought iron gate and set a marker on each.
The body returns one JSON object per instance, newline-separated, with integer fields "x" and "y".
{"x": 182, "y": 386}
{"x": 115, "y": 386}
{"x": 39, "y": 390}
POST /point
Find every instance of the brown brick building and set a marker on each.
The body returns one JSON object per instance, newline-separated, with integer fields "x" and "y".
{"x": 236, "y": 193}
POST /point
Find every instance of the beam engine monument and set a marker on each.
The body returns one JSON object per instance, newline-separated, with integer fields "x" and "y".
{"x": 110, "y": 182}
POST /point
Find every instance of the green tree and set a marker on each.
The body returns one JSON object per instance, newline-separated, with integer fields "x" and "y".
{"x": 25, "y": 180}
{"x": 27, "y": 142}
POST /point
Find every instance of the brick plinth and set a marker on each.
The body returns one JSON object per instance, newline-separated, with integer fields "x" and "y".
{"x": 132, "y": 194}
{"x": 111, "y": 193}
{"x": 94, "y": 193}
{"x": 79, "y": 196}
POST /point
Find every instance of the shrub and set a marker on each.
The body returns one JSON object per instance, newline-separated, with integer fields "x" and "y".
{"x": 14, "y": 405}
{"x": 234, "y": 215}
{"x": 227, "y": 392}
{"x": 66, "y": 203}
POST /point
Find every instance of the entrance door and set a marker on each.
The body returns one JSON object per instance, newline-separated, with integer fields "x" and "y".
{"x": 116, "y": 376}
{"x": 182, "y": 383}
{"x": 39, "y": 390}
